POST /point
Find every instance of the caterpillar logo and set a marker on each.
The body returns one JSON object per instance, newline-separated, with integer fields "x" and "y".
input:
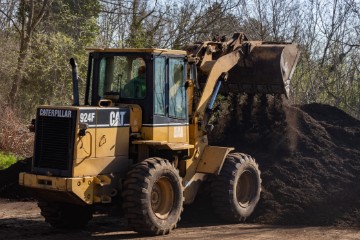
{"x": 117, "y": 118}
{"x": 55, "y": 113}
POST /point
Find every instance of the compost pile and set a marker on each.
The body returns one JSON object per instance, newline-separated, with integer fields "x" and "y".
{"x": 9, "y": 181}
{"x": 309, "y": 156}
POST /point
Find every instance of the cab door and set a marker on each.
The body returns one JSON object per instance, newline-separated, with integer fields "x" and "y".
{"x": 177, "y": 101}
{"x": 170, "y": 101}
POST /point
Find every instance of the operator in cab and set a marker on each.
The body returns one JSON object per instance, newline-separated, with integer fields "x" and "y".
{"x": 136, "y": 87}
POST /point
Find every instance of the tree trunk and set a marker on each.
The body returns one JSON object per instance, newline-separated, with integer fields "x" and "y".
{"x": 24, "y": 48}
{"x": 31, "y": 13}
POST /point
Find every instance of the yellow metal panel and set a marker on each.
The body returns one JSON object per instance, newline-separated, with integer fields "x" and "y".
{"x": 21, "y": 178}
{"x": 200, "y": 142}
{"x": 135, "y": 118}
{"x": 172, "y": 134}
{"x": 165, "y": 144}
{"x": 192, "y": 135}
{"x": 82, "y": 187}
{"x": 104, "y": 165}
{"x": 155, "y": 133}
{"x": 212, "y": 159}
{"x": 147, "y": 133}
{"x": 178, "y": 134}
{"x": 150, "y": 142}
{"x": 179, "y": 146}
{"x": 43, "y": 182}
{"x": 112, "y": 141}
{"x": 85, "y": 145}
{"x": 192, "y": 186}
{"x": 160, "y": 133}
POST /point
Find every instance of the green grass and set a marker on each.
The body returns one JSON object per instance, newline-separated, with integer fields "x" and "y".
{"x": 6, "y": 160}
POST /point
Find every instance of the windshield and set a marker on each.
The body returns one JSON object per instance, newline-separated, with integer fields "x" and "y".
{"x": 122, "y": 76}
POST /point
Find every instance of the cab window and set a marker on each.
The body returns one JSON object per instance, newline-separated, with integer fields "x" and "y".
{"x": 159, "y": 86}
{"x": 177, "y": 97}
{"x": 122, "y": 76}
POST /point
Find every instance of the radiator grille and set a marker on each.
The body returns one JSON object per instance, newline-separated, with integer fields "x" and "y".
{"x": 54, "y": 141}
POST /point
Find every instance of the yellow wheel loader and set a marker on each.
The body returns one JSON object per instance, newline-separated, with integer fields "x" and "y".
{"x": 140, "y": 138}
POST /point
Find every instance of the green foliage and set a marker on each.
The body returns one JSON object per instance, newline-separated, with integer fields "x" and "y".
{"x": 7, "y": 63}
{"x": 76, "y": 19}
{"x": 69, "y": 28}
{"x": 137, "y": 37}
{"x": 6, "y": 160}
{"x": 49, "y": 74}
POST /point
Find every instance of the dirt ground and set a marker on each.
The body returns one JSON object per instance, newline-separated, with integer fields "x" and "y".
{"x": 22, "y": 220}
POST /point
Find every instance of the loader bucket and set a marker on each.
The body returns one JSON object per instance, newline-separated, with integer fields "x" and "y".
{"x": 267, "y": 68}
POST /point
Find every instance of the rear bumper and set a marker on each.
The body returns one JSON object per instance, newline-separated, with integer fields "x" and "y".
{"x": 79, "y": 190}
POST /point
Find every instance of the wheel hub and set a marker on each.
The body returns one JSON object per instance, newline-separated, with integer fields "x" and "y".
{"x": 155, "y": 197}
{"x": 162, "y": 198}
{"x": 245, "y": 188}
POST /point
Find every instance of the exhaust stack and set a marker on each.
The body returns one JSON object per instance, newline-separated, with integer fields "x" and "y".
{"x": 75, "y": 82}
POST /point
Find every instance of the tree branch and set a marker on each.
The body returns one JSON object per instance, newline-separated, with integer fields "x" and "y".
{"x": 45, "y": 5}
{"x": 11, "y": 20}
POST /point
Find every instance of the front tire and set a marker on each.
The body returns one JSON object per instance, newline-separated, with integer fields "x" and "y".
{"x": 153, "y": 197}
{"x": 236, "y": 190}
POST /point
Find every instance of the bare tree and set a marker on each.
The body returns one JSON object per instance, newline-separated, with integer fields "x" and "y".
{"x": 328, "y": 70}
{"x": 271, "y": 20}
{"x": 127, "y": 23}
{"x": 168, "y": 26}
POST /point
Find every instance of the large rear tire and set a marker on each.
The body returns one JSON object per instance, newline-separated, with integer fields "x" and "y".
{"x": 236, "y": 190}
{"x": 153, "y": 197}
{"x": 65, "y": 215}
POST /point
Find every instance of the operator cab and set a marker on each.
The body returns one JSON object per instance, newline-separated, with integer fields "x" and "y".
{"x": 154, "y": 79}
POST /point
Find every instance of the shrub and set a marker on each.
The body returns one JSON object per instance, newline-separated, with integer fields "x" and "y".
{"x": 6, "y": 160}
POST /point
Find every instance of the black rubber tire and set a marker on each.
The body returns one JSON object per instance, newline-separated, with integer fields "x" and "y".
{"x": 143, "y": 190}
{"x": 235, "y": 192}
{"x": 65, "y": 215}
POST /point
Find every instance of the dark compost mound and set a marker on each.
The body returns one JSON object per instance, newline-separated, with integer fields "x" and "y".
{"x": 9, "y": 181}
{"x": 309, "y": 156}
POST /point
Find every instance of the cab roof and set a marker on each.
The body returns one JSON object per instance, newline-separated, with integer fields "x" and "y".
{"x": 138, "y": 50}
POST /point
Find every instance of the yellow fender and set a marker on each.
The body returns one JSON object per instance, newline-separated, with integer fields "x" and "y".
{"x": 212, "y": 159}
